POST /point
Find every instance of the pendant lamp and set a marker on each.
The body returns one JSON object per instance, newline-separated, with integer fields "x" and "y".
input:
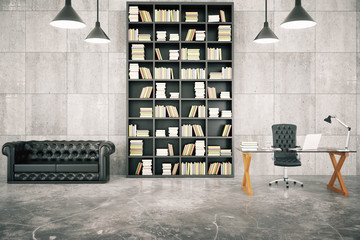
{"x": 97, "y": 35}
{"x": 298, "y": 18}
{"x": 68, "y": 18}
{"x": 266, "y": 35}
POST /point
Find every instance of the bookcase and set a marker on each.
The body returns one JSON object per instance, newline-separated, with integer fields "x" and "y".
{"x": 214, "y": 145}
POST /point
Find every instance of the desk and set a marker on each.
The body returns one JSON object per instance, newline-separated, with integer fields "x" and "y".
{"x": 247, "y": 155}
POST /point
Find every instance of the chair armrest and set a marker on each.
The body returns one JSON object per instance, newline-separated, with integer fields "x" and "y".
{"x": 9, "y": 149}
{"x": 105, "y": 150}
{"x": 109, "y": 147}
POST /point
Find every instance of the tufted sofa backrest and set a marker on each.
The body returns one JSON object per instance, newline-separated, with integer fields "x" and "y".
{"x": 58, "y": 152}
{"x": 284, "y": 136}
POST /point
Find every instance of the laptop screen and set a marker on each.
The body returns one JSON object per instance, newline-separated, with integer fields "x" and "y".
{"x": 311, "y": 141}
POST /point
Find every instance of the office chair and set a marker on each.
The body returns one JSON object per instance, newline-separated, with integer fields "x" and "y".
{"x": 284, "y": 137}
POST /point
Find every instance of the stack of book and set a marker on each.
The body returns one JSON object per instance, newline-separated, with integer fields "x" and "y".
{"x": 188, "y": 149}
{"x": 174, "y": 37}
{"x": 147, "y": 167}
{"x": 191, "y": 16}
{"x": 158, "y": 54}
{"x": 249, "y": 146}
{"x": 225, "y": 152}
{"x": 162, "y": 152}
{"x": 200, "y": 35}
{"x": 200, "y": 148}
{"x": 144, "y": 37}
{"x": 132, "y": 130}
{"x": 192, "y": 73}
{"x": 145, "y": 16}
{"x": 211, "y": 92}
{"x": 142, "y": 133}
{"x": 226, "y": 113}
{"x": 164, "y": 73}
{"x": 224, "y": 33}
{"x": 170, "y": 149}
{"x": 224, "y": 94}
{"x": 226, "y": 168}
{"x": 133, "y": 14}
{"x": 134, "y": 71}
{"x": 214, "y": 168}
{"x": 201, "y": 111}
{"x": 174, "y": 54}
{"x": 190, "y": 35}
{"x": 166, "y": 169}
{"x": 146, "y": 112}
{"x": 215, "y": 75}
{"x": 133, "y": 34}
{"x": 186, "y": 130}
{"x": 174, "y": 95}
{"x": 226, "y": 72}
{"x": 160, "y": 111}
{"x": 214, "y": 150}
{"x": 222, "y": 16}
{"x": 160, "y": 90}
{"x": 160, "y": 133}
{"x": 172, "y": 111}
{"x": 161, "y": 35}
{"x": 146, "y": 92}
{"x": 213, "y": 112}
{"x": 175, "y": 169}
{"x": 166, "y": 15}
{"x": 199, "y": 88}
{"x": 136, "y": 147}
{"x": 137, "y": 52}
{"x": 198, "y": 130}
{"x": 173, "y": 131}
{"x": 214, "y": 18}
{"x": 193, "y": 168}
{"x": 193, "y": 54}
{"x": 145, "y": 73}
{"x": 226, "y": 130}
{"x": 214, "y": 54}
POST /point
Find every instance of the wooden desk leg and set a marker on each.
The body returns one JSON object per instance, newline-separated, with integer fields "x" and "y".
{"x": 337, "y": 174}
{"x": 246, "y": 185}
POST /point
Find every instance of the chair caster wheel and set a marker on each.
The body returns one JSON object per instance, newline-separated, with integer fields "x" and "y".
{"x": 269, "y": 184}
{"x": 276, "y": 182}
{"x": 287, "y": 186}
{"x": 294, "y": 183}
{"x": 302, "y": 185}
{"x": 287, "y": 182}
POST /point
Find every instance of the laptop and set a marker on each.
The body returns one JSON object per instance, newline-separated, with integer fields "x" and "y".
{"x": 311, "y": 142}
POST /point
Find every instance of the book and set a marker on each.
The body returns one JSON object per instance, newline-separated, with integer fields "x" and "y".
{"x": 174, "y": 54}
{"x": 175, "y": 168}
{"x": 133, "y": 13}
{"x": 249, "y": 146}
{"x": 163, "y": 15}
{"x": 166, "y": 168}
{"x": 164, "y": 73}
{"x": 145, "y": 73}
{"x": 188, "y": 149}
{"x": 160, "y": 133}
{"x": 160, "y": 111}
{"x": 213, "y": 112}
{"x": 200, "y": 35}
{"x": 160, "y": 35}
{"x": 212, "y": 92}
{"x": 133, "y": 34}
{"x": 201, "y": 111}
{"x": 145, "y": 16}
{"x": 226, "y": 113}
{"x": 214, "y": 54}
{"x": 214, "y": 150}
{"x": 213, "y": 18}
{"x": 142, "y": 133}
{"x": 191, "y": 16}
{"x": 193, "y": 168}
{"x": 200, "y": 148}
{"x": 138, "y": 169}
{"x": 190, "y": 35}
{"x": 132, "y": 130}
{"x": 172, "y": 111}
{"x": 137, "y": 52}
{"x": 136, "y": 147}
{"x": 224, "y": 33}
{"x": 173, "y": 131}
{"x": 193, "y": 73}
{"x": 193, "y": 110}
{"x": 198, "y": 130}
{"x": 160, "y": 90}
{"x": 147, "y": 167}
{"x": 222, "y": 16}
{"x": 146, "y": 92}
{"x": 146, "y": 112}
{"x": 171, "y": 149}
{"x": 144, "y": 37}
{"x": 186, "y": 130}
{"x": 162, "y": 152}
{"x": 224, "y": 94}
{"x": 134, "y": 71}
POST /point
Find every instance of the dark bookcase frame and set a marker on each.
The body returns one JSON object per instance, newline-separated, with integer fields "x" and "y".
{"x": 212, "y": 127}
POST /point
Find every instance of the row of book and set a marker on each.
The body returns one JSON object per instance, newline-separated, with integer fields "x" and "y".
{"x": 173, "y": 54}
{"x": 226, "y": 73}
{"x": 222, "y": 168}
{"x": 146, "y": 92}
{"x": 134, "y": 35}
{"x": 145, "y": 166}
{"x": 200, "y": 110}
{"x": 193, "y": 73}
{"x": 164, "y": 73}
{"x": 145, "y": 16}
{"x": 192, "y": 33}
{"x": 190, "y": 54}
{"x": 187, "y": 130}
{"x": 136, "y": 147}
{"x": 160, "y": 111}
{"x": 214, "y": 54}
{"x": 134, "y": 132}
{"x": 145, "y": 73}
{"x": 193, "y": 168}
{"x": 162, "y": 15}
{"x": 137, "y": 52}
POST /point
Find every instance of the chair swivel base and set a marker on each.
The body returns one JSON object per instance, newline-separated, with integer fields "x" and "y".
{"x": 286, "y": 180}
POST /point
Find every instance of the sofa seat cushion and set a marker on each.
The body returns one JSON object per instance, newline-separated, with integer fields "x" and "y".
{"x": 34, "y": 168}
{"x": 75, "y": 168}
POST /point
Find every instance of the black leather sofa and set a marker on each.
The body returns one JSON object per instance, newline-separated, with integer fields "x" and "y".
{"x": 58, "y": 161}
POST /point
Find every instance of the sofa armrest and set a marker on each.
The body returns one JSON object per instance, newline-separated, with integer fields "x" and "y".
{"x": 9, "y": 150}
{"x": 106, "y": 149}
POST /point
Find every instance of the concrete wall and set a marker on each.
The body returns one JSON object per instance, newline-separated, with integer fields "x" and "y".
{"x": 53, "y": 85}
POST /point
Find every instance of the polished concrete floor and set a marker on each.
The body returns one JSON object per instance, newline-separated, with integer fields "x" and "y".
{"x": 179, "y": 209}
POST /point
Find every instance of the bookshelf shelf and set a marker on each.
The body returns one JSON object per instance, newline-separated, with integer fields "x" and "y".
{"x": 173, "y": 69}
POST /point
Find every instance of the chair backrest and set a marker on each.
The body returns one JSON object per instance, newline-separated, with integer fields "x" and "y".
{"x": 284, "y": 136}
